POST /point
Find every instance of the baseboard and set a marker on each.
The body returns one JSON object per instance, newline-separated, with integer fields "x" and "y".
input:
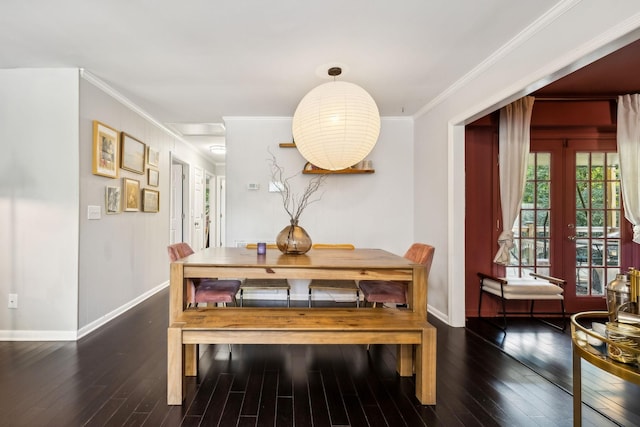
{"x": 85, "y": 330}
{"x": 438, "y": 314}
{"x": 30, "y": 335}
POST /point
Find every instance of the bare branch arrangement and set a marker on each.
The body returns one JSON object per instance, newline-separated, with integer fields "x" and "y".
{"x": 294, "y": 205}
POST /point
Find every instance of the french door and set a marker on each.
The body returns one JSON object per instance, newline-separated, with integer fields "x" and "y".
{"x": 571, "y": 223}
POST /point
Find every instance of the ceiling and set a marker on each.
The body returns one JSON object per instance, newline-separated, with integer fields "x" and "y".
{"x": 189, "y": 64}
{"x": 614, "y": 74}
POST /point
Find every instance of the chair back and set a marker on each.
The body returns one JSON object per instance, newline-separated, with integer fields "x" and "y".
{"x": 421, "y": 253}
{"x": 255, "y": 246}
{"x": 332, "y": 246}
{"x": 178, "y": 251}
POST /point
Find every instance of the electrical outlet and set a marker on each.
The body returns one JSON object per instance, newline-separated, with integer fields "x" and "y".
{"x": 13, "y": 301}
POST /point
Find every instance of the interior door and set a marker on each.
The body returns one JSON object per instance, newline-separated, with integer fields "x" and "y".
{"x": 198, "y": 209}
{"x": 221, "y": 212}
{"x": 593, "y": 221}
{"x": 175, "y": 215}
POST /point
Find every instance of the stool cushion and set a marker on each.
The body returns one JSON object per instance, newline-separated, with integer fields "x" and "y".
{"x": 209, "y": 290}
{"x": 384, "y": 291}
{"x": 523, "y": 288}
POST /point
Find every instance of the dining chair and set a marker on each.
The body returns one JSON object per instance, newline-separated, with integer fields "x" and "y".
{"x": 395, "y": 292}
{"x": 268, "y": 284}
{"x": 208, "y": 291}
{"x": 332, "y": 284}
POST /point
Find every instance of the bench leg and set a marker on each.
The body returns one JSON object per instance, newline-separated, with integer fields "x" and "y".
{"x": 191, "y": 360}
{"x": 404, "y": 360}
{"x": 426, "y": 368}
{"x": 175, "y": 366}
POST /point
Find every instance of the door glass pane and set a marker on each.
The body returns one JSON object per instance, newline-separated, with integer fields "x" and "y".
{"x": 597, "y": 225}
{"x": 532, "y": 229}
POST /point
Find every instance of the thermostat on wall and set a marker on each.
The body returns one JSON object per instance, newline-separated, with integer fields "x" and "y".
{"x": 253, "y": 186}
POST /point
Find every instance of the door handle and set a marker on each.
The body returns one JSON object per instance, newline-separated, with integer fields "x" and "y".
{"x": 572, "y": 238}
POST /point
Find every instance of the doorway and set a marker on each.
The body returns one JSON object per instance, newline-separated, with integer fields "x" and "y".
{"x": 570, "y": 218}
{"x": 179, "y": 202}
{"x": 221, "y": 226}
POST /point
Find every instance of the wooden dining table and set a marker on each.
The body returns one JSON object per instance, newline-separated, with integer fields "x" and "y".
{"x": 405, "y": 327}
{"x": 357, "y": 264}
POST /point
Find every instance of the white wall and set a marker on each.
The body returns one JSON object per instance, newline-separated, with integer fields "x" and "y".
{"x": 573, "y": 35}
{"x": 369, "y": 210}
{"x": 123, "y": 257}
{"x": 39, "y": 202}
{"x": 72, "y": 274}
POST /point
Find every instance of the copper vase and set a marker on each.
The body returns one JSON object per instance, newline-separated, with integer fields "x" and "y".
{"x": 293, "y": 240}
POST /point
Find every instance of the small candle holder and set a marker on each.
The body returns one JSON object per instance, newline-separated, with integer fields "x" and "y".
{"x": 262, "y": 248}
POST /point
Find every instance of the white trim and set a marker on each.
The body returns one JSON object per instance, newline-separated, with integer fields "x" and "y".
{"x": 456, "y": 233}
{"x": 549, "y": 72}
{"x": 28, "y": 335}
{"x": 438, "y": 314}
{"x": 90, "y": 78}
{"x": 551, "y": 15}
{"x": 85, "y": 330}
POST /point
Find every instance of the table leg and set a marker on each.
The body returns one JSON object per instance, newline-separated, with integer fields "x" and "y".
{"x": 191, "y": 360}
{"x": 418, "y": 291}
{"x": 175, "y": 365}
{"x": 577, "y": 389}
{"x": 426, "y": 367}
{"x": 404, "y": 359}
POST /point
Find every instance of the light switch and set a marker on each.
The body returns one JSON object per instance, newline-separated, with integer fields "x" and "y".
{"x": 94, "y": 212}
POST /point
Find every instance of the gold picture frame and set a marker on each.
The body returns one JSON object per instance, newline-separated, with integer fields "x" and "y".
{"x": 150, "y": 200}
{"x": 131, "y": 194}
{"x": 106, "y": 148}
{"x": 153, "y": 157}
{"x": 153, "y": 177}
{"x": 132, "y": 154}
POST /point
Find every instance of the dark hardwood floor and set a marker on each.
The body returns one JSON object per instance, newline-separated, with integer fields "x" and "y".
{"x": 547, "y": 352}
{"x": 117, "y": 377}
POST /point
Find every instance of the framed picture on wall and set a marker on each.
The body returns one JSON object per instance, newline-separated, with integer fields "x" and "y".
{"x": 133, "y": 152}
{"x": 112, "y": 200}
{"x": 105, "y": 150}
{"x": 153, "y": 157}
{"x": 153, "y": 177}
{"x": 131, "y": 194}
{"x": 150, "y": 200}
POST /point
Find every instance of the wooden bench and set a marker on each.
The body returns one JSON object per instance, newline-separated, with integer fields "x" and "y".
{"x": 303, "y": 326}
{"x": 534, "y": 288}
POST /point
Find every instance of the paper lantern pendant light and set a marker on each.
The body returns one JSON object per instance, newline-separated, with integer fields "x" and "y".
{"x": 336, "y": 124}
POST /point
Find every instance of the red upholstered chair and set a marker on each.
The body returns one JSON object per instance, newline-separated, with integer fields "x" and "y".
{"x": 382, "y": 291}
{"x": 205, "y": 290}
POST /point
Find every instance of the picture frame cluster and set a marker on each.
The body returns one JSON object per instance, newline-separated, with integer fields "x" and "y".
{"x": 115, "y": 151}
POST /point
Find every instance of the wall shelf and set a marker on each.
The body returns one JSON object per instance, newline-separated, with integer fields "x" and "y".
{"x": 310, "y": 169}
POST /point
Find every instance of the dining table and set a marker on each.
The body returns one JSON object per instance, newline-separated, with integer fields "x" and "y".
{"x": 407, "y": 327}
{"x": 336, "y": 264}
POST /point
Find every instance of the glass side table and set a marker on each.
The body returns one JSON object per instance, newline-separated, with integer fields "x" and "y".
{"x": 602, "y": 352}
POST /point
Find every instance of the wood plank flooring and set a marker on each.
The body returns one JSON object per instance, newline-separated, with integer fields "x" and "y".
{"x": 547, "y": 352}
{"x": 117, "y": 377}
